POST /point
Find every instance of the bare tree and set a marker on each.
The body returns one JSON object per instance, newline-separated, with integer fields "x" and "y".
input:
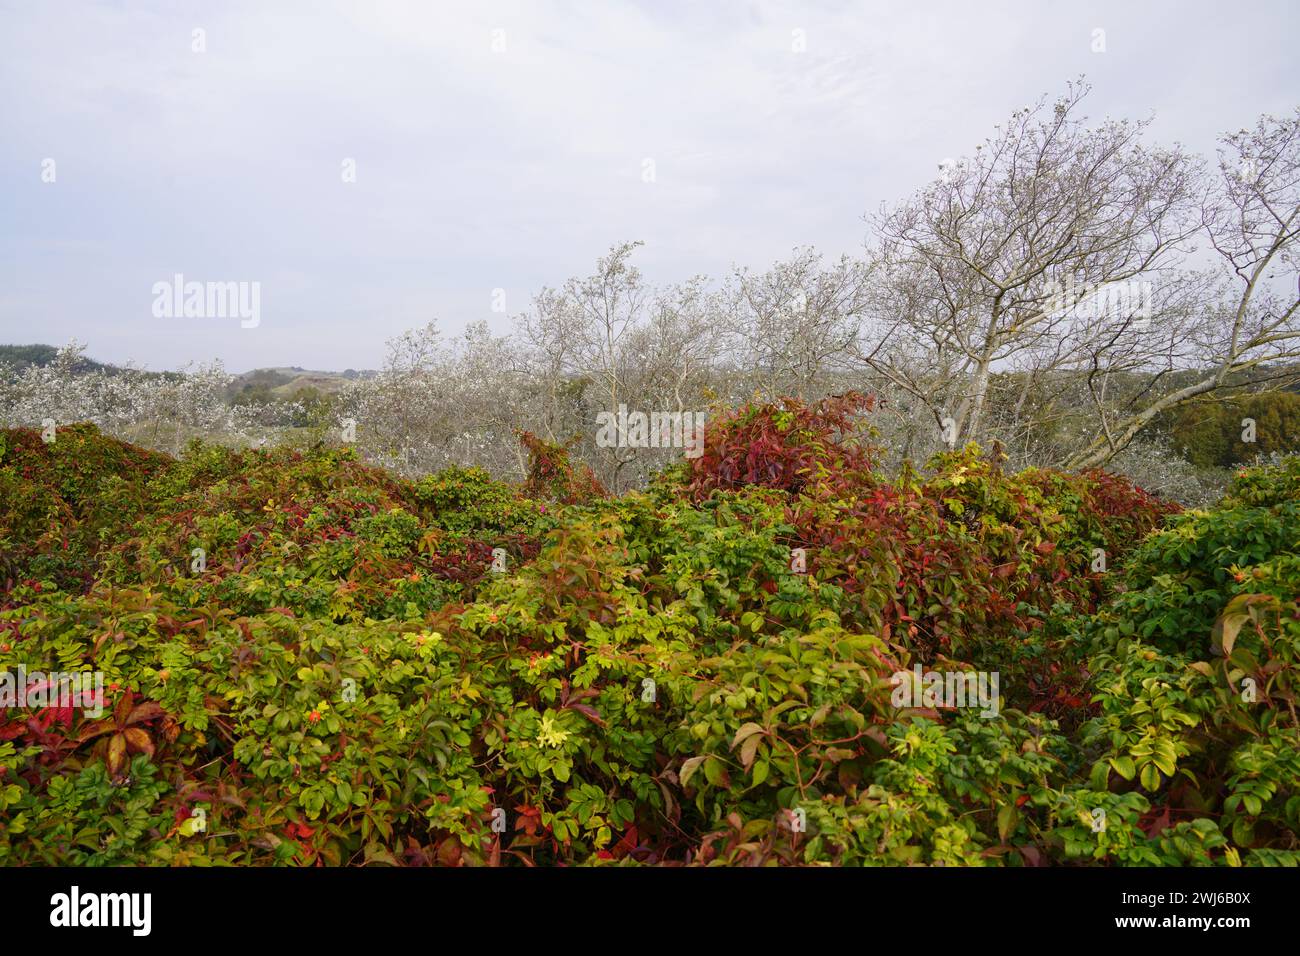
{"x": 1250, "y": 328}
{"x": 609, "y": 339}
{"x": 792, "y": 326}
{"x": 985, "y": 267}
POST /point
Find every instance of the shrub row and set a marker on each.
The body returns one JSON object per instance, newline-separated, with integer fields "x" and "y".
{"x": 701, "y": 673}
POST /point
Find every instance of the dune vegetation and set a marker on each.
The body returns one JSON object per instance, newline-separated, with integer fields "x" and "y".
{"x": 308, "y": 660}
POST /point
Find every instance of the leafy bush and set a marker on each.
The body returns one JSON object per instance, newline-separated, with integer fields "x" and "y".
{"x": 1196, "y": 665}
{"x": 702, "y": 673}
{"x": 62, "y": 500}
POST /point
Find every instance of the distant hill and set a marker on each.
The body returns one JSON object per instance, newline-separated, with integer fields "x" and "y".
{"x": 22, "y": 356}
{"x": 285, "y": 382}
{"x": 280, "y": 382}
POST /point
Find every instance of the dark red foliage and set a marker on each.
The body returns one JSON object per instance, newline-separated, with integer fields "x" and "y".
{"x": 551, "y": 475}
{"x": 787, "y": 446}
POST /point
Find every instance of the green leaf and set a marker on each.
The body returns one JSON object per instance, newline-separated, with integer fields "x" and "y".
{"x": 1124, "y": 767}
{"x": 1008, "y": 816}
{"x": 378, "y": 853}
{"x": 715, "y": 771}
{"x": 1100, "y": 775}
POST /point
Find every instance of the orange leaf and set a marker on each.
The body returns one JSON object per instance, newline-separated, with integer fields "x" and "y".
{"x": 90, "y": 731}
{"x": 116, "y": 753}
{"x": 146, "y": 711}
{"x": 123, "y": 708}
{"x": 138, "y": 741}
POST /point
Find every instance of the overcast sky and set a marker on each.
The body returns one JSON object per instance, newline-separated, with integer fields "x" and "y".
{"x": 505, "y": 145}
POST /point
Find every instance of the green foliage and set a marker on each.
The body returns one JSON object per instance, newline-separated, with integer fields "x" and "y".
{"x": 702, "y": 673}
{"x": 1210, "y": 432}
{"x": 1196, "y": 667}
{"x": 553, "y": 476}
{"x": 468, "y": 502}
{"x": 61, "y": 501}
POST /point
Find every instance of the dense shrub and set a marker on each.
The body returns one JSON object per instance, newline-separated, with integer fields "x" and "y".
{"x": 703, "y": 673}
{"x": 62, "y": 500}
{"x": 1196, "y": 667}
{"x": 552, "y": 475}
{"x": 789, "y": 445}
